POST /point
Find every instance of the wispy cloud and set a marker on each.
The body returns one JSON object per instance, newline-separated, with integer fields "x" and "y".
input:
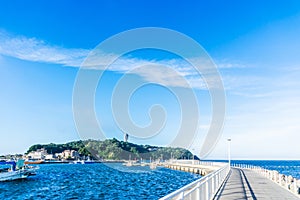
{"x": 36, "y": 50}
{"x": 226, "y": 64}
{"x": 32, "y": 49}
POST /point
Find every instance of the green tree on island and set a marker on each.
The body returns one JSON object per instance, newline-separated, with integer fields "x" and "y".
{"x": 115, "y": 150}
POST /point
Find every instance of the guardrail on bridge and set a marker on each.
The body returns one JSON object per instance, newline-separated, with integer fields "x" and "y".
{"x": 204, "y": 188}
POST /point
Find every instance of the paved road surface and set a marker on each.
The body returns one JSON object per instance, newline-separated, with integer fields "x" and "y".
{"x": 247, "y": 184}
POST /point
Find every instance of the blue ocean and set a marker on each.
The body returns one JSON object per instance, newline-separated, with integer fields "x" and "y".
{"x": 96, "y": 181}
{"x": 286, "y": 167}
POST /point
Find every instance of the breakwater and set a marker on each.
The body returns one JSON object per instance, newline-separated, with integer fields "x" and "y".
{"x": 194, "y": 166}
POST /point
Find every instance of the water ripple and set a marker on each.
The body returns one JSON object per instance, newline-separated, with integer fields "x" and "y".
{"x": 96, "y": 181}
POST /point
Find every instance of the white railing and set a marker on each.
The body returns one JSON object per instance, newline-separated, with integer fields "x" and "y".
{"x": 196, "y": 162}
{"x": 204, "y": 188}
{"x": 288, "y": 182}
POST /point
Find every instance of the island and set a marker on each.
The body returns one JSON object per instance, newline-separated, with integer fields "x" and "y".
{"x": 109, "y": 149}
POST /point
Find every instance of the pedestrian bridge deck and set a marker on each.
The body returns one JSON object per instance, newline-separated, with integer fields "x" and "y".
{"x": 248, "y": 184}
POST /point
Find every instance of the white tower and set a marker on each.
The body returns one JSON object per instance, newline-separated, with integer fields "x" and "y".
{"x": 125, "y": 137}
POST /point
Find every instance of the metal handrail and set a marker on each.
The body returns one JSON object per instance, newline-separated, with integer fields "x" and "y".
{"x": 197, "y": 162}
{"x": 204, "y": 188}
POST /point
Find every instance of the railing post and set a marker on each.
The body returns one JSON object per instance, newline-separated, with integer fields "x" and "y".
{"x": 295, "y": 185}
{"x": 213, "y": 184}
{"x": 198, "y": 195}
{"x": 280, "y": 177}
{"x": 182, "y": 195}
{"x": 218, "y": 180}
{"x": 206, "y": 189}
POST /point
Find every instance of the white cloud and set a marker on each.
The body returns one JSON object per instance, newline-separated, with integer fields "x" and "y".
{"x": 225, "y": 64}
{"x": 35, "y": 50}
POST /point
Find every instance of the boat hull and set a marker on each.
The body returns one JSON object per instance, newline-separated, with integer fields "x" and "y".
{"x": 34, "y": 162}
{"x": 15, "y": 175}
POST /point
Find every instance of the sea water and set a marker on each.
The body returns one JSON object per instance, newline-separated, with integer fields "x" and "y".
{"x": 286, "y": 167}
{"x": 96, "y": 181}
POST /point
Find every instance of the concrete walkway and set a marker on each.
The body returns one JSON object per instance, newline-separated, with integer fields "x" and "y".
{"x": 247, "y": 184}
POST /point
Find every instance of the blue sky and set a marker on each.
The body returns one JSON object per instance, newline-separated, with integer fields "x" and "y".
{"x": 255, "y": 45}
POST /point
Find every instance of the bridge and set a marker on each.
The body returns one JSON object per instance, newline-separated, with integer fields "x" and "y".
{"x": 234, "y": 182}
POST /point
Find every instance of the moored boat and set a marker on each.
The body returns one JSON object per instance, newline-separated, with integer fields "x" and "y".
{"x": 89, "y": 161}
{"x": 78, "y": 162}
{"x": 15, "y": 170}
{"x": 153, "y": 165}
{"x": 33, "y": 162}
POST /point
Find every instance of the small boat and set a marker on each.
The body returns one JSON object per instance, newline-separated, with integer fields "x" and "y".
{"x": 128, "y": 163}
{"x": 142, "y": 163}
{"x": 15, "y": 170}
{"x": 153, "y": 165}
{"x": 78, "y": 162}
{"x": 33, "y": 162}
{"x": 89, "y": 161}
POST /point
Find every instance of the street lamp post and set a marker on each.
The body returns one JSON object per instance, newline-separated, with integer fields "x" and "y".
{"x": 229, "y": 158}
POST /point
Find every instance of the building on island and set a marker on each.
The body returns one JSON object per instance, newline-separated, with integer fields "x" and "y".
{"x": 73, "y": 154}
{"x": 39, "y": 154}
{"x": 50, "y": 157}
